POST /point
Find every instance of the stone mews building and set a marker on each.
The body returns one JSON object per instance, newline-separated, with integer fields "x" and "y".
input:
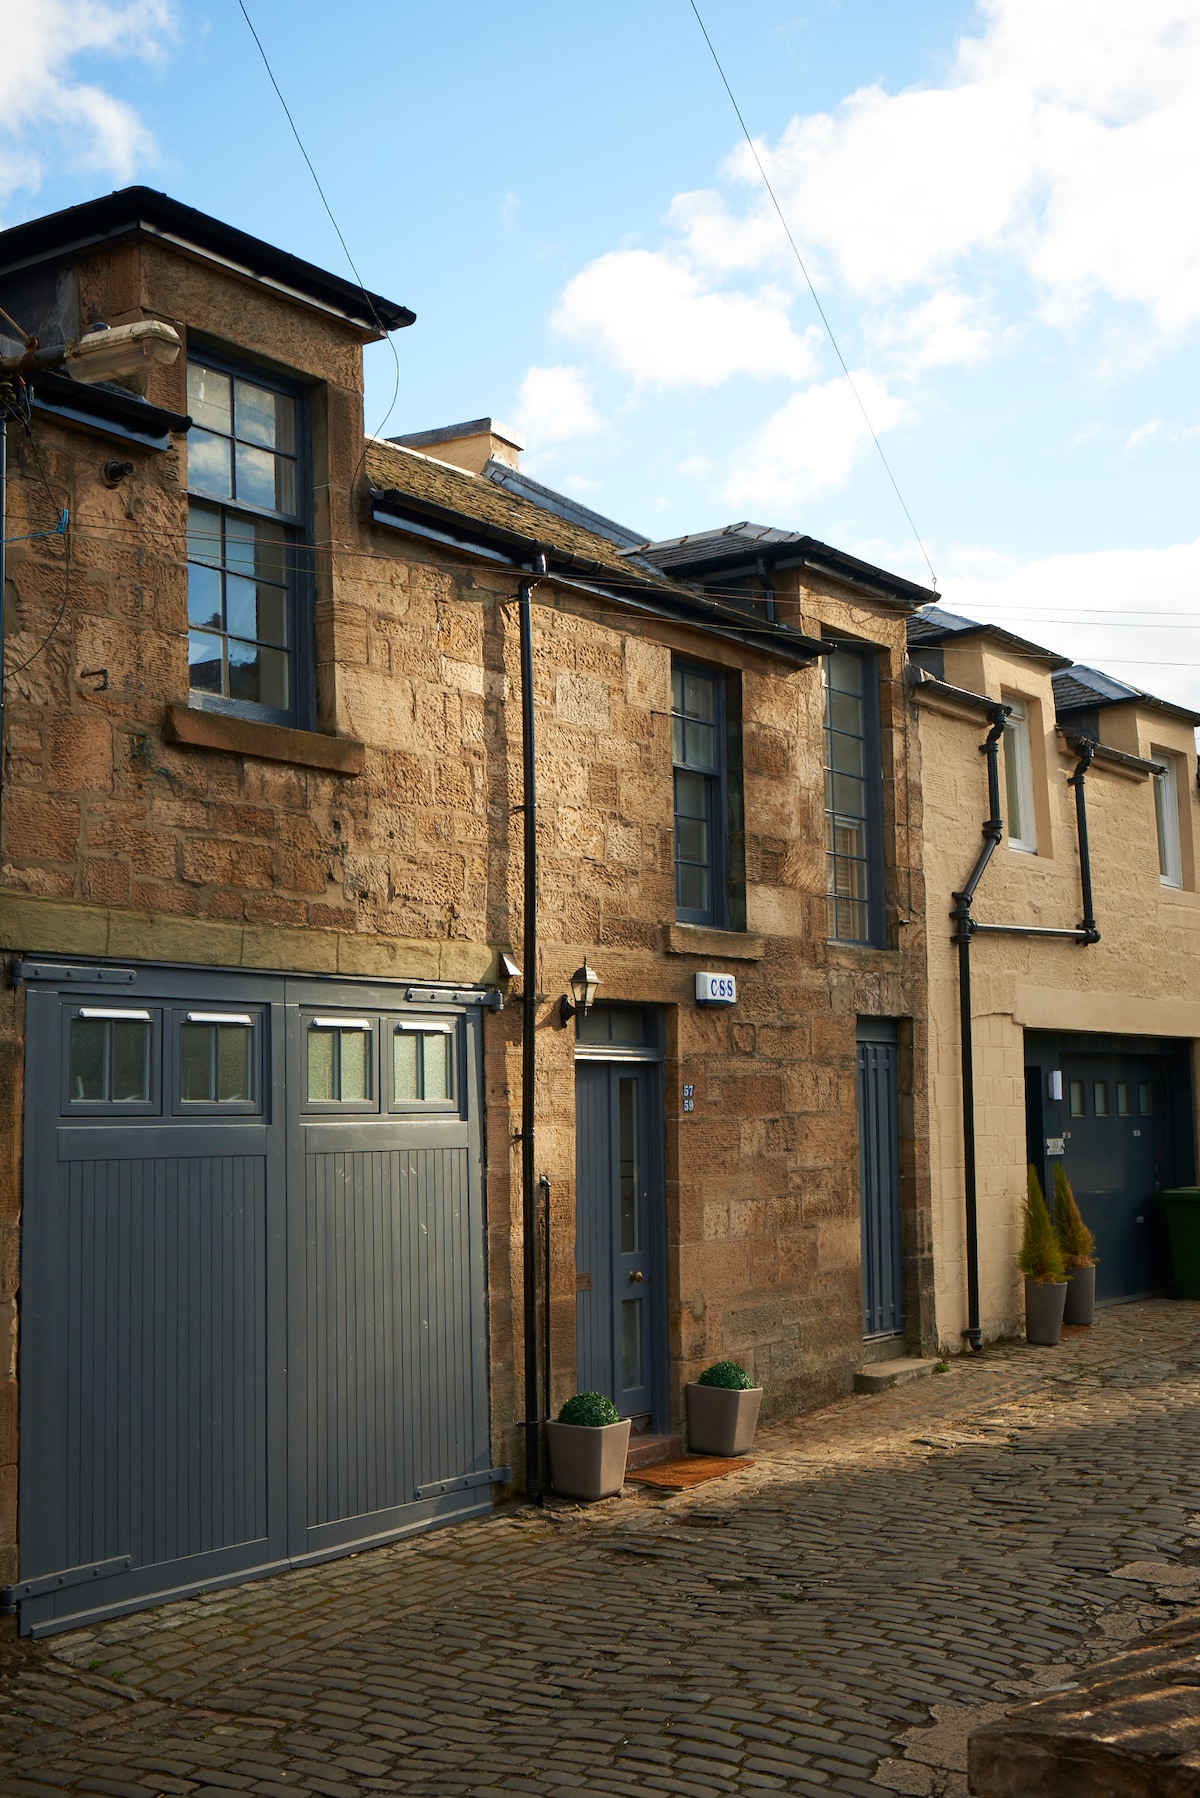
{"x": 1083, "y": 1041}
{"x": 260, "y": 908}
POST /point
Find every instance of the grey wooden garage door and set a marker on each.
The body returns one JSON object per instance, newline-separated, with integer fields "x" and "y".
{"x": 253, "y": 1322}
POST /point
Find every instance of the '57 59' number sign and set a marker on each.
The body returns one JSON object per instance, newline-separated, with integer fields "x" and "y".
{"x": 716, "y": 989}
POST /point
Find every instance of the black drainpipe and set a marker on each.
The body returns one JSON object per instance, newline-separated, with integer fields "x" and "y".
{"x": 993, "y": 832}
{"x": 533, "y": 1472}
{"x": 967, "y": 927}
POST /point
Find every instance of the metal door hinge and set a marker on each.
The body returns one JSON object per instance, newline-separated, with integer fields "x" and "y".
{"x": 57, "y": 970}
{"x": 11, "y": 1596}
{"x": 495, "y": 1476}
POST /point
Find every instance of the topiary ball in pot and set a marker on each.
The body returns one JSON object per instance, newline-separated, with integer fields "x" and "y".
{"x": 722, "y": 1410}
{"x": 588, "y": 1447}
{"x": 727, "y": 1374}
{"x": 589, "y": 1410}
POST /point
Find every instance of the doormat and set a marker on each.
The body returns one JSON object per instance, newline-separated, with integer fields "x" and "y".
{"x": 689, "y": 1470}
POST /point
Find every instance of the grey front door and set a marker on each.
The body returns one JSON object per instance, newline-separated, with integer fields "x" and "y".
{"x": 879, "y": 1178}
{"x": 253, "y": 1315}
{"x": 1110, "y": 1134}
{"x": 620, "y": 1288}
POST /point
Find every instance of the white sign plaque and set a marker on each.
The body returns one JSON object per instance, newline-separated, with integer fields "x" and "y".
{"x": 716, "y": 989}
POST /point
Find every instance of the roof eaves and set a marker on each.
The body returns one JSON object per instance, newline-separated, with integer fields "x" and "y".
{"x": 144, "y": 212}
{"x": 473, "y": 535}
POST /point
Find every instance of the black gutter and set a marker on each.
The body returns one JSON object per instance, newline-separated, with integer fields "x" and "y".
{"x": 1104, "y": 753}
{"x": 533, "y": 1474}
{"x": 134, "y": 212}
{"x": 475, "y": 536}
{"x": 967, "y": 927}
{"x": 107, "y": 409}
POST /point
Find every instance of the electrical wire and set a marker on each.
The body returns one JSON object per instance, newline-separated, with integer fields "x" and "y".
{"x": 812, "y": 290}
{"x": 9, "y": 673}
{"x": 329, "y": 211}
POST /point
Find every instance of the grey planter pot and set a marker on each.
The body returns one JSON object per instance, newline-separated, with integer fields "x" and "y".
{"x": 1081, "y": 1296}
{"x": 588, "y": 1463}
{"x": 1044, "y": 1302}
{"x": 720, "y": 1422}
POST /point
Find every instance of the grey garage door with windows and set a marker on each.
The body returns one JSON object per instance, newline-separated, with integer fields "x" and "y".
{"x": 253, "y": 1309}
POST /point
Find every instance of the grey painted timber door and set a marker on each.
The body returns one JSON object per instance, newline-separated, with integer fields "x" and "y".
{"x": 879, "y": 1178}
{"x": 1110, "y": 1134}
{"x": 620, "y": 1286}
{"x": 253, "y": 1310}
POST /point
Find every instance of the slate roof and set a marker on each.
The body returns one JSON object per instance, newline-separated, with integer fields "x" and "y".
{"x": 1084, "y": 689}
{"x": 702, "y": 553}
{"x": 525, "y": 487}
{"x": 935, "y": 625}
{"x": 393, "y": 470}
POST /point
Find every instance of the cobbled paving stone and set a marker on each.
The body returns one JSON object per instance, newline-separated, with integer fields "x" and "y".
{"x": 952, "y": 1544}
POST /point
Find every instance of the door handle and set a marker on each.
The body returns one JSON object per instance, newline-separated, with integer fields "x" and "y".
{"x": 636, "y": 1278}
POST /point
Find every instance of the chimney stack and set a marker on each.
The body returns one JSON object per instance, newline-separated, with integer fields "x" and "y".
{"x": 471, "y": 445}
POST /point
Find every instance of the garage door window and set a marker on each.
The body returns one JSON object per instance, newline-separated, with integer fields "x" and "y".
{"x": 215, "y": 1058}
{"x": 109, "y": 1059}
{"x": 423, "y": 1065}
{"x": 339, "y": 1061}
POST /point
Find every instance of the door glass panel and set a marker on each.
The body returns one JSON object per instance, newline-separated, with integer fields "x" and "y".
{"x": 233, "y": 1061}
{"x": 1078, "y": 1105}
{"x": 627, "y": 1136}
{"x": 195, "y": 1061}
{"x": 436, "y": 1066}
{"x": 1145, "y": 1099}
{"x": 404, "y": 1065}
{"x": 321, "y": 1045}
{"x": 631, "y": 1343}
{"x": 1100, "y": 1096}
{"x": 1122, "y": 1098}
{"x": 355, "y": 1060}
{"x": 214, "y": 1063}
{"x": 130, "y": 1062}
{"x": 89, "y": 1059}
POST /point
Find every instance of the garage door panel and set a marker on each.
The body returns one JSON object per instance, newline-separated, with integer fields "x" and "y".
{"x": 390, "y": 1277}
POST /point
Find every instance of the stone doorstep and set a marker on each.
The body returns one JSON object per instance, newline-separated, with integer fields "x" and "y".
{"x": 880, "y": 1376}
{"x": 1129, "y": 1728}
{"x": 647, "y": 1451}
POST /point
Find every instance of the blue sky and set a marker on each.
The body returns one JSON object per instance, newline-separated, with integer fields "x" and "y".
{"x": 995, "y": 201}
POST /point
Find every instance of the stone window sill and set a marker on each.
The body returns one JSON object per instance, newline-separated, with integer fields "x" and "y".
{"x": 269, "y": 742}
{"x": 699, "y": 939}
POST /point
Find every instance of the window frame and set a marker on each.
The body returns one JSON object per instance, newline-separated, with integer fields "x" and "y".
{"x": 446, "y": 1026}
{"x": 718, "y": 915}
{"x": 111, "y": 1011}
{"x": 338, "y": 1022}
{"x": 300, "y": 711}
{"x": 867, "y": 654}
{"x": 229, "y": 1013}
{"x": 1168, "y": 825}
{"x": 1018, "y": 775}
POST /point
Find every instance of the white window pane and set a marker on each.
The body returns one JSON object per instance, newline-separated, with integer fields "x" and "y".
{"x": 1018, "y": 778}
{"x": 1166, "y": 812}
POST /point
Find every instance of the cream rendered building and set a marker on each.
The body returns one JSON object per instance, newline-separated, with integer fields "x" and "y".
{"x": 1083, "y": 1041}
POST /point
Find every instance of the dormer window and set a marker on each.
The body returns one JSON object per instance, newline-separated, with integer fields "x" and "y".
{"x": 247, "y": 530}
{"x": 1018, "y": 777}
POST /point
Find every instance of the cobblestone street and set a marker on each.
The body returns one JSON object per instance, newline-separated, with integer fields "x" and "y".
{"x": 957, "y": 1543}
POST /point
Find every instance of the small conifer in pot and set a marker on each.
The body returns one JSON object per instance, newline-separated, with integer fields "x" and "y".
{"x": 1078, "y": 1248}
{"x": 1040, "y": 1260}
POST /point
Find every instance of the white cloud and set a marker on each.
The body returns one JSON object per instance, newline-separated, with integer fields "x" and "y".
{"x": 554, "y": 405}
{"x": 1161, "y": 430}
{"x": 46, "y": 114}
{"x": 810, "y": 445}
{"x": 1062, "y": 139}
{"x": 1131, "y": 612}
{"x": 659, "y": 322}
{"x": 948, "y": 328}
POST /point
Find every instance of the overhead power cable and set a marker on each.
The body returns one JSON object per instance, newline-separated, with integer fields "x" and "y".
{"x": 329, "y": 210}
{"x": 812, "y": 290}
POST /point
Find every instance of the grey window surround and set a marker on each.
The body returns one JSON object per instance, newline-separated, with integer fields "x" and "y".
{"x": 282, "y": 533}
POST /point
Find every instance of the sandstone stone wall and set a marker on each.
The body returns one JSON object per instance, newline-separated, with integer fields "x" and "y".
{"x": 1140, "y": 979}
{"x": 120, "y": 840}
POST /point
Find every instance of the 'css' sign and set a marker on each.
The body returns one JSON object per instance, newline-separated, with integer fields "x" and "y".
{"x": 716, "y": 989}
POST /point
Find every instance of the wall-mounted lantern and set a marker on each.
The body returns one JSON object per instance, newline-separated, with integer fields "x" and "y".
{"x": 582, "y": 996}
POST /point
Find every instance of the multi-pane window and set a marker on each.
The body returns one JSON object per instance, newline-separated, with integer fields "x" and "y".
{"x": 109, "y": 1057}
{"x": 339, "y": 1061}
{"x": 1166, "y": 812}
{"x": 853, "y": 798}
{"x": 215, "y": 1057}
{"x": 245, "y": 519}
{"x": 422, "y": 1064}
{"x": 698, "y": 752}
{"x": 1018, "y": 777}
